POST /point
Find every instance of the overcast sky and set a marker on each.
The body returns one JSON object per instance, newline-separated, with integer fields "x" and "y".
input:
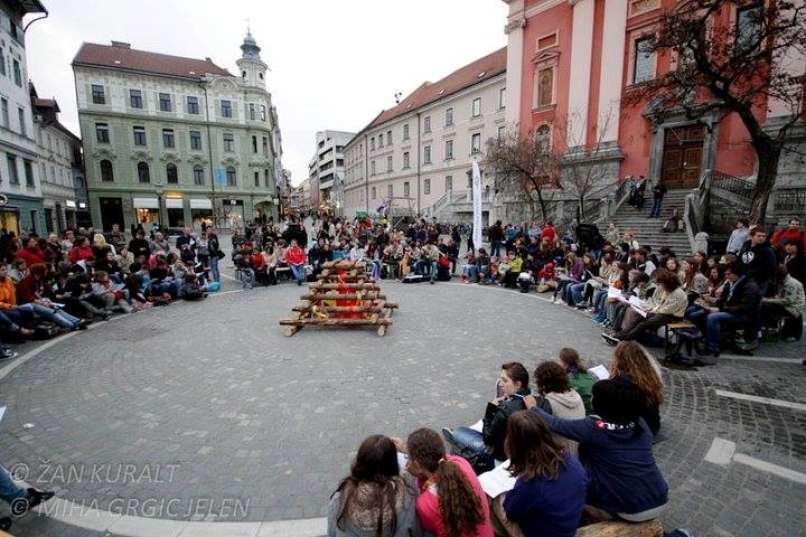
{"x": 334, "y": 63}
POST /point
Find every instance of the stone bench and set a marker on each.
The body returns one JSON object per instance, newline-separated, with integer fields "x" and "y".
{"x": 651, "y": 528}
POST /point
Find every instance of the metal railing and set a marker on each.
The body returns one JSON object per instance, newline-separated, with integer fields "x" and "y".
{"x": 790, "y": 200}
{"x": 735, "y": 185}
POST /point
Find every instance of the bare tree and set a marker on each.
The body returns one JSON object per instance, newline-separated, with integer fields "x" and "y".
{"x": 524, "y": 166}
{"x": 583, "y": 167}
{"x": 739, "y": 67}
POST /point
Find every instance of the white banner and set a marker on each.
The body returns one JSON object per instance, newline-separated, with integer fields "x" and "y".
{"x": 476, "y": 205}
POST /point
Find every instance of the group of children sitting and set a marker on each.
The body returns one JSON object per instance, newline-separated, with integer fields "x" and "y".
{"x": 576, "y": 450}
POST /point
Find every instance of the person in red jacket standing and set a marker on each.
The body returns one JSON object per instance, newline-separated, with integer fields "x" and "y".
{"x": 31, "y": 254}
{"x": 295, "y": 257}
{"x": 791, "y": 233}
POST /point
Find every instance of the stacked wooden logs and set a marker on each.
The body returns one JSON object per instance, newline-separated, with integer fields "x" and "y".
{"x": 339, "y": 282}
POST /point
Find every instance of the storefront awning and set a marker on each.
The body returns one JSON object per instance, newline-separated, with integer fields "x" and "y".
{"x": 202, "y": 203}
{"x": 145, "y": 203}
{"x": 173, "y": 203}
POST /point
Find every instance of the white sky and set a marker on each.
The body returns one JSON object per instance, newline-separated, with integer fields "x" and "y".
{"x": 335, "y": 63}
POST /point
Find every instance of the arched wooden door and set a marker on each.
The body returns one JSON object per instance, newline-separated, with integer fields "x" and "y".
{"x": 682, "y": 156}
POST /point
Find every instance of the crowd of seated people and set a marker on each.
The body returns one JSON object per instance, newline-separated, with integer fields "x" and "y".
{"x": 60, "y": 283}
{"x": 572, "y": 466}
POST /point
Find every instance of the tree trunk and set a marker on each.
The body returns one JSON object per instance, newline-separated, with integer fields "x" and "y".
{"x": 768, "y": 158}
{"x": 542, "y": 203}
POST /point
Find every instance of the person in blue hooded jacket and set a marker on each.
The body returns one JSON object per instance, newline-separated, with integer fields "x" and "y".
{"x": 615, "y": 446}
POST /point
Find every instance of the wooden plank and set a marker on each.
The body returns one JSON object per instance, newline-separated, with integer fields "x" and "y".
{"x": 387, "y": 317}
{"x": 343, "y": 309}
{"x": 652, "y": 528}
{"x": 334, "y": 322}
{"x": 339, "y": 286}
{"x": 316, "y": 297}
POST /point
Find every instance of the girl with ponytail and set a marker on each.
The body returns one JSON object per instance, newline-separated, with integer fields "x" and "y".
{"x": 451, "y": 501}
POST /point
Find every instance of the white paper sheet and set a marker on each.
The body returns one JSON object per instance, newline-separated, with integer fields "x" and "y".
{"x": 2, "y": 412}
{"x": 497, "y": 481}
{"x": 478, "y": 426}
{"x": 600, "y": 372}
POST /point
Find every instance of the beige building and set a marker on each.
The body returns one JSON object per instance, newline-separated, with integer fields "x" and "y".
{"x": 414, "y": 158}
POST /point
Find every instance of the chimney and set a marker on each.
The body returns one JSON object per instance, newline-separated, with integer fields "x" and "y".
{"x": 121, "y": 44}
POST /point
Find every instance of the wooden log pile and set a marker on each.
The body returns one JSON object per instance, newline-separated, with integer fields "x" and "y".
{"x": 343, "y": 295}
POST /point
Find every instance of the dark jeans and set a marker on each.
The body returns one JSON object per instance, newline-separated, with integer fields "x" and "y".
{"x": 712, "y": 322}
{"x": 495, "y": 248}
{"x": 652, "y": 322}
{"x": 469, "y": 444}
{"x": 656, "y": 204}
{"x": 31, "y": 312}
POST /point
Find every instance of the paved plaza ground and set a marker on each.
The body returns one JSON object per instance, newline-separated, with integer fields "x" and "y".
{"x": 205, "y": 412}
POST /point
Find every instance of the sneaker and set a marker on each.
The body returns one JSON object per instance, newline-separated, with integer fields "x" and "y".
{"x": 610, "y": 339}
{"x": 6, "y": 353}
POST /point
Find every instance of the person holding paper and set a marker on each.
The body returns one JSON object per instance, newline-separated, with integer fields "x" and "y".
{"x": 483, "y": 447}
{"x": 375, "y": 500}
{"x": 668, "y": 304}
{"x": 549, "y": 493}
{"x": 616, "y": 448}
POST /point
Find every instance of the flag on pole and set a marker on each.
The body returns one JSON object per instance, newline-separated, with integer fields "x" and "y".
{"x": 476, "y": 204}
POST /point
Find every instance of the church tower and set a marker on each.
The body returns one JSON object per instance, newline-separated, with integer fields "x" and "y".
{"x": 253, "y": 70}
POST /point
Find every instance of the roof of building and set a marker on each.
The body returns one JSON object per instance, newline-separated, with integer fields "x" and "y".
{"x": 120, "y": 55}
{"x": 28, "y": 6}
{"x": 46, "y": 103}
{"x": 478, "y": 71}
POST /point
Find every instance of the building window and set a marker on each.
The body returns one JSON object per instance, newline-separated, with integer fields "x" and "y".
{"x": 372, "y": 167}
{"x": 748, "y": 27}
{"x": 427, "y": 124}
{"x": 21, "y": 117}
{"x": 266, "y": 177}
{"x": 143, "y": 172}
{"x": 229, "y": 143}
{"x": 29, "y": 173}
{"x": 372, "y": 144}
{"x": 502, "y": 98}
{"x": 172, "y": 174}
{"x": 252, "y": 114}
{"x": 406, "y": 189}
{"x": 257, "y": 179}
{"x": 195, "y": 141}
{"x": 165, "y": 102}
{"x": 427, "y": 186}
{"x": 448, "y": 183}
{"x": 193, "y": 105}
{"x": 226, "y": 108}
{"x": 476, "y": 107}
{"x": 13, "y": 172}
{"x": 254, "y": 144}
{"x": 198, "y": 175}
{"x": 139, "y": 135}
{"x": 374, "y": 193}
{"x": 266, "y": 145}
{"x": 390, "y": 191}
{"x": 231, "y": 177}
{"x": 449, "y": 117}
{"x": 18, "y": 75}
{"x": 168, "y": 138}
{"x": 449, "y": 150}
{"x": 543, "y": 137}
{"x": 380, "y": 140}
{"x": 2, "y": 62}
{"x": 389, "y": 163}
{"x": 262, "y": 112}
{"x": 545, "y": 87}
{"x": 644, "y": 65}
{"x": 388, "y": 137}
{"x": 135, "y": 98}
{"x": 4, "y": 111}
{"x": 405, "y": 160}
{"x": 107, "y": 172}
{"x": 475, "y": 143}
{"x": 427, "y": 154}
{"x": 406, "y": 131}
{"x": 501, "y": 132}
{"x": 102, "y": 133}
{"x": 97, "y": 93}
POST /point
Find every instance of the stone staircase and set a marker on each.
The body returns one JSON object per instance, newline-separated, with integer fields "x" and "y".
{"x": 648, "y": 230}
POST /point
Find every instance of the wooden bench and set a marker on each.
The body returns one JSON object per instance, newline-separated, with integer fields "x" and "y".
{"x": 282, "y": 271}
{"x": 651, "y": 528}
{"x": 670, "y": 328}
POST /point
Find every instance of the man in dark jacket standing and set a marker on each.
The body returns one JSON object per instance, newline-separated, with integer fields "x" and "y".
{"x": 738, "y": 307}
{"x": 657, "y": 199}
{"x": 496, "y": 236}
{"x": 757, "y": 259}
